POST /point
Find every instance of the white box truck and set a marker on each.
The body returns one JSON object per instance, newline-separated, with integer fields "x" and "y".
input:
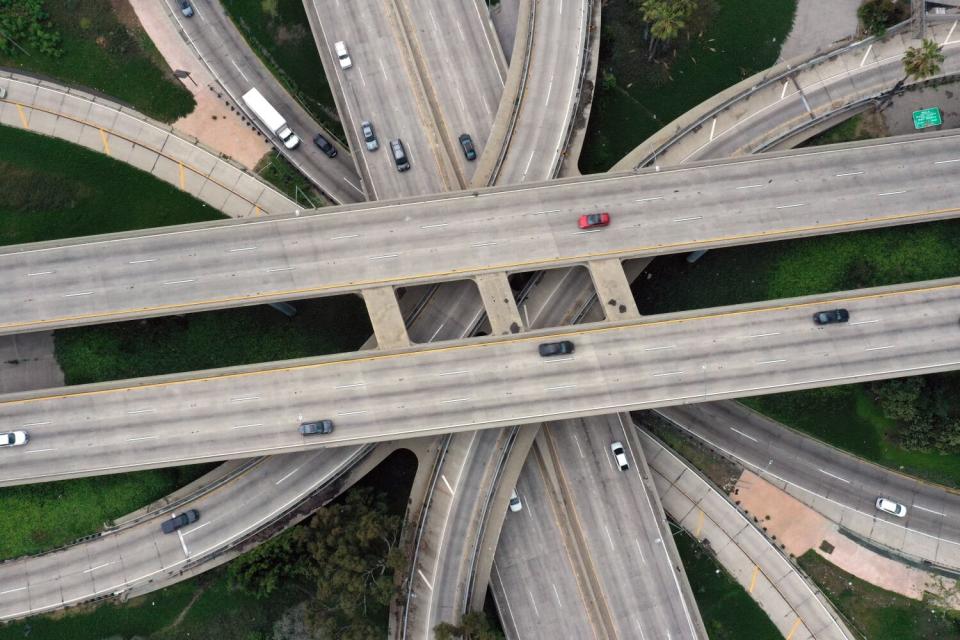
{"x": 269, "y": 117}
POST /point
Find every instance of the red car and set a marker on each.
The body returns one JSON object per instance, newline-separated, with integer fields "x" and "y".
{"x": 591, "y": 220}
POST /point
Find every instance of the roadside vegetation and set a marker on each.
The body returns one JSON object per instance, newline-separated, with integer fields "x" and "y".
{"x": 278, "y": 171}
{"x": 53, "y": 189}
{"x": 39, "y": 517}
{"x": 875, "y": 613}
{"x": 660, "y": 58}
{"x": 728, "y": 611}
{"x": 204, "y": 607}
{"x": 279, "y": 33}
{"x": 876, "y": 16}
{"x": 345, "y": 556}
{"x": 96, "y": 44}
{"x": 210, "y": 340}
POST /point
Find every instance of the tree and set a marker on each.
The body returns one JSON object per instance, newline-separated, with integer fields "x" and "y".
{"x": 25, "y": 22}
{"x": 900, "y": 398}
{"x": 349, "y": 552}
{"x": 877, "y": 15}
{"x": 473, "y": 626}
{"x": 666, "y": 20}
{"x": 924, "y": 61}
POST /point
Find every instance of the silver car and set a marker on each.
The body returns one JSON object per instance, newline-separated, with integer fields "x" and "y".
{"x": 369, "y": 136}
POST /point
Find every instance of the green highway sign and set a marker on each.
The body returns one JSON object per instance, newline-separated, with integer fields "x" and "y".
{"x": 927, "y": 118}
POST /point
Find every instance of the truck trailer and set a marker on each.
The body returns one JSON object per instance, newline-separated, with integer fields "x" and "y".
{"x": 271, "y": 118}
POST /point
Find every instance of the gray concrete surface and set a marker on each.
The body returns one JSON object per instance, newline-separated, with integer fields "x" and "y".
{"x": 446, "y": 237}
{"x": 27, "y": 362}
{"x": 840, "y": 486}
{"x": 463, "y": 102}
{"x": 820, "y": 25}
{"x": 765, "y": 108}
{"x": 125, "y": 135}
{"x": 221, "y": 47}
{"x": 549, "y": 101}
{"x": 613, "y": 289}
{"x": 898, "y": 115}
{"x": 667, "y": 360}
{"x": 499, "y": 303}
{"x": 620, "y": 533}
{"x": 386, "y": 318}
{"x": 794, "y": 605}
{"x": 504, "y": 16}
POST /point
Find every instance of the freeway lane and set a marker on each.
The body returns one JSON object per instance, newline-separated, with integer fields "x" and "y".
{"x": 835, "y": 483}
{"x": 132, "y": 556}
{"x": 221, "y": 47}
{"x": 444, "y": 237}
{"x": 662, "y": 361}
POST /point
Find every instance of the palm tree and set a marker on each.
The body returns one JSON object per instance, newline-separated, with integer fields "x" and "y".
{"x": 922, "y": 62}
{"x": 667, "y": 18}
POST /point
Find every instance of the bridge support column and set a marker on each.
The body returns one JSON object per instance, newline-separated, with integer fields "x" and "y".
{"x": 613, "y": 290}
{"x": 499, "y": 303}
{"x": 385, "y": 316}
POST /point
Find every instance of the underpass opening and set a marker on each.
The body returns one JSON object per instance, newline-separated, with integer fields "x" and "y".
{"x": 537, "y": 292}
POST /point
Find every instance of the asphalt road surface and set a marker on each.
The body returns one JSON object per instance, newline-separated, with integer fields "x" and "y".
{"x": 444, "y": 237}
{"x": 845, "y": 488}
{"x": 238, "y": 69}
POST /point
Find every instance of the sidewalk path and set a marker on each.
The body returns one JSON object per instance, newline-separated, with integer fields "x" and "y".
{"x": 793, "y": 604}
{"x": 212, "y": 122}
{"x": 819, "y": 25}
{"x": 800, "y": 529}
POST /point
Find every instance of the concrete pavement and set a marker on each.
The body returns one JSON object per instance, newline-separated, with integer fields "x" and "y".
{"x": 660, "y": 361}
{"x": 794, "y": 605}
{"x": 125, "y": 135}
{"x": 452, "y": 236}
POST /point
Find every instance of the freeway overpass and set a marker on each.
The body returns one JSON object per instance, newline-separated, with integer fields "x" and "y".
{"x": 456, "y": 236}
{"x": 473, "y": 384}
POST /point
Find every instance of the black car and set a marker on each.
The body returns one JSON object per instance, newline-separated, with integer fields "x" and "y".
{"x": 320, "y": 427}
{"x": 467, "y": 143}
{"x": 325, "y": 145}
{"x": 832, "y": 316}
{"x": 556, "y": 348}
{"x": 186, "y": 9}
{"x": 182, "y": 520}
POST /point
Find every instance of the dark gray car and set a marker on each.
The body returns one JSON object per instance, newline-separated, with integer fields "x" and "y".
{"x": 831, "y": 316}
{"x": 548, "y": 349}
{"x": 325, "y": 145}
{"x": 318, "y": 427}
{"x": 182, "y": 520}
{"x": 467, "y": 144}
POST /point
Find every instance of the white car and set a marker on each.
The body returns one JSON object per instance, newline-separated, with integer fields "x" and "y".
{"x": 515, "y": 504}
{"x": 13, "y": 438}
{"x": 620, "y": 455}
{"x": 342, "y": 55}
{"x": 891, "y": 507}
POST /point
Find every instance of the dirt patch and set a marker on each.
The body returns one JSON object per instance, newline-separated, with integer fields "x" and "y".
{"x": 289, "y": 33}
{"x": 126, "y": 15}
